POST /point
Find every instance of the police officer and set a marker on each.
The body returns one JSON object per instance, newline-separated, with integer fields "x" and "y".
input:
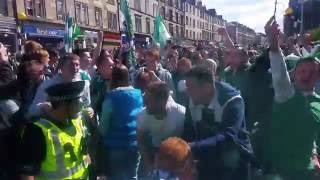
{"x": 53, "y": 147}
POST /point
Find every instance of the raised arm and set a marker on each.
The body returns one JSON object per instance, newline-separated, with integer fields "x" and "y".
{"x": 284, "y": 90}
{"x": 97, "y": 50}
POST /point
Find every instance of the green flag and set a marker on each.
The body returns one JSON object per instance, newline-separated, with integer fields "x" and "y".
{"x": 76, "y": 31}
{"x": 126, "y": 28}
{"x": 160, "y": 33}
{"x": 125, "y": 18}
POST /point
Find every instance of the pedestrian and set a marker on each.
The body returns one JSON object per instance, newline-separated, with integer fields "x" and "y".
{"x": 152, "y": 58}
{"x": 118, "y": 126}
{"x": 31, "y": 73}
{"x": 171, "y": 60}
{"x": 70, "y": 72}
{"x": 30, "y": 46}
{"x": 160, "y": 119}
{"x": 143, "y": 79}
{"x": 86, "y": 64}
{"x": 52, "y": 147}
{"x": 215, "y": 127}
{"x": 7, "y": 73}
{"x": 54, "y": 60}
{"x": 179, "y": 79}
{"x": 291, "y": 134}
{"x": 100, "y": 83}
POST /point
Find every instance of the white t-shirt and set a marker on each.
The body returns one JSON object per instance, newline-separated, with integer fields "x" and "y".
{"x": 171, "y": 126}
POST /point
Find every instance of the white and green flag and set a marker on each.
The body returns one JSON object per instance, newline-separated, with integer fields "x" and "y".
{"x": 160, "y": 33}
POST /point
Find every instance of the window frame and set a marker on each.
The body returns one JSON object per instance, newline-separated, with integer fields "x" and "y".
{"x": 5, "y": 9}
{"x": 33, "y": 8}
{"x": 98, "y": 19}
{"x": 148, "y": 26}
{"x": 63, "y": 10}
{"x": 138, "y": 27}
{"x": 82, "y": 17}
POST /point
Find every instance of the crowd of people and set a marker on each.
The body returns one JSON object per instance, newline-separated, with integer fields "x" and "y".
{"x": 190, "y": 113}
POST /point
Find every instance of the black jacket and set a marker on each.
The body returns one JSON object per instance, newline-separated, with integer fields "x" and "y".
{"x": 211, "y": 139}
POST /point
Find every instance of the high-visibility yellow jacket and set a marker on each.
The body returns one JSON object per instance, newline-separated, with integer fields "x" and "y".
{"x": 64, "y": 158}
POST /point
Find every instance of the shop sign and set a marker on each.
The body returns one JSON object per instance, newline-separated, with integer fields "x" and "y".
{"x": 35, "y": 30}
{"x": 111, "y": 35}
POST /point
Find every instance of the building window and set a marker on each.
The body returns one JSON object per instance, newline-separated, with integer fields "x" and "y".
{"x": 177, "y": 4}
{"x": 3, "y": 8}
{"x": 147, "y": 7}
{"x": 170, "y": 3}
{"x": 182, "y": 32}
{"x": 187, "y": 20}
{"x": 187, "y": 33}
{"x": 155, "y": 7}
{"x": 110, "y": 2}
{"x": 163, "y": 11}
{"x": 98, "y": 16}
{"x": 177, "y": 31}
{"x": 60, "y": 9}
{"x": 182, "y": 19}
{"x": 112, "y": 21}
{"x": 194, "y": 23}
{"x": 85, "y": 14}
{"x": 137, "y": 5}
{"x": 170, "y": 15}
{"x": 194, "y": 35}
{"x": 177, "y": 17}
{"x": 82, "y": 13}
{"x": 186, "y": 7}
{"x": 148, "y": 26}
{"x": 171, "y": 29}
{"x": 35, "y": 8}
{"x": 137, "y": 20}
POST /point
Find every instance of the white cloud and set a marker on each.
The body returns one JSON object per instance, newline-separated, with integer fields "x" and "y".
{"x": 253, "y": 13}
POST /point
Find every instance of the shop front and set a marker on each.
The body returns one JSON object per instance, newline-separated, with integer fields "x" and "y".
{"x": 111, "y": 40}
{"x": 47, "y": 35}
{"x": 8, "y": 35}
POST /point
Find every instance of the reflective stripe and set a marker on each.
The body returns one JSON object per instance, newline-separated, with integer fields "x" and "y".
{"x": 62, "y": 171}
{"x": 65, "y": 173}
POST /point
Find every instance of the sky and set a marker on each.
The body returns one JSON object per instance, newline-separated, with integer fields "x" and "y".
{"x": 253, "y": 13}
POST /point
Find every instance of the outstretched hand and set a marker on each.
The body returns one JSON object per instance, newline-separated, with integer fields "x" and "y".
{"x": 272, "y": 31}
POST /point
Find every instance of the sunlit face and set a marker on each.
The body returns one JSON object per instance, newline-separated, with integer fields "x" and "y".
{"x": 70, "y": 69}
{"x": 306, "y": 75}
{"x": 85, "y": 61}
{"x": 105, "y": 68}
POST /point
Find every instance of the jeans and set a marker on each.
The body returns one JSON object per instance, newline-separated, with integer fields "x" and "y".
{"x": 122, "y": 164}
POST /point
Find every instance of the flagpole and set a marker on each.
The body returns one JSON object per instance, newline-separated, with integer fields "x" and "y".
{"x": 118, "y": 12}
{"x": 302, "y": 17}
